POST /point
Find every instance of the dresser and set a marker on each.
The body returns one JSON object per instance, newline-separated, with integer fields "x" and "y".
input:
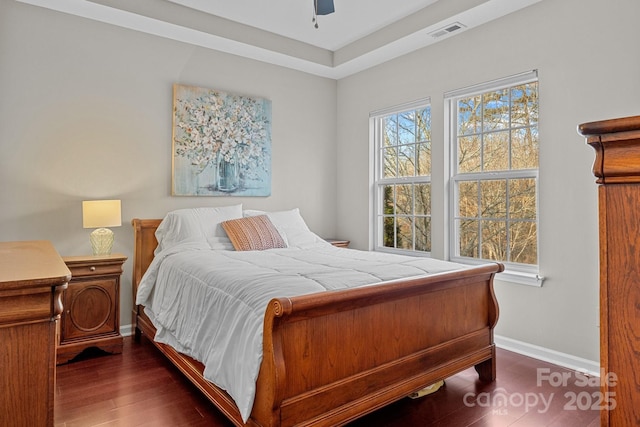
{"x": 32, "y": 279}
{"x": 617, "y": 169}
{"x": 91, "y": 316}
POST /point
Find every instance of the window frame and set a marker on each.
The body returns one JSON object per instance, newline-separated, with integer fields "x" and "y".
{"x": 527, "y": 274}
{"x": 378, "y": 181}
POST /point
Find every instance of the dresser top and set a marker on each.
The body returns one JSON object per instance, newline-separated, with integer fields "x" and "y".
{"x": 31, "y": 264}
{"x": 623, "y": 124}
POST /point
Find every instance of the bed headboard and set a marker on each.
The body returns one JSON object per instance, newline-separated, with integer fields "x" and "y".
{"x": 144, "y": 244}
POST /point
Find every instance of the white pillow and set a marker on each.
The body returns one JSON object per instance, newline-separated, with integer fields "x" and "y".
{"x": 291, "y": 227}
{"x": 197, "y": 225}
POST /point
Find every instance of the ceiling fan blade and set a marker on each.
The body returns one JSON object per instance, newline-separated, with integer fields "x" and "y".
{"x": 324, "y": 7}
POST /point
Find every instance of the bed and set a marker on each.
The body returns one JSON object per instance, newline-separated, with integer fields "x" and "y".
{"x": 328, "y": 357}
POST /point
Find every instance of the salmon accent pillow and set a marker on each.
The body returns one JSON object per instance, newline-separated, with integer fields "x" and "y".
{"x": 254, "y": 233}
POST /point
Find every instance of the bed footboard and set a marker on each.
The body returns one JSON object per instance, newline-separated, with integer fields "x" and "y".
{"x": 332, "y": 357}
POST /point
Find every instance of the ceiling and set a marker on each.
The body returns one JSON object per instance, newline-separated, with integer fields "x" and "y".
{"x": 352, "y": 20}
{"x": 359, "y": 35}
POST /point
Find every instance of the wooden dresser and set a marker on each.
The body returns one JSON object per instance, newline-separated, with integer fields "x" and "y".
{"x": 617, "y": 169}
{"x": 32, "y": 279}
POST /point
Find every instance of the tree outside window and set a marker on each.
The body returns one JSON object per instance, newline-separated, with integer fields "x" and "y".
{"x": 495, "y": 174}
{"x": 403, "y": 179}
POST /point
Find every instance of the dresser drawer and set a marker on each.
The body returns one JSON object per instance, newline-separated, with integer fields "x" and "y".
{"x": 25, "y": 305}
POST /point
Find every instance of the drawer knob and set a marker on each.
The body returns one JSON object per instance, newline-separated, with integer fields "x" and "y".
{"x": 92, "y": 268}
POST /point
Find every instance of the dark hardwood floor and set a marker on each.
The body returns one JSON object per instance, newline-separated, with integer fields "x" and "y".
{"x": 141, "y": 388}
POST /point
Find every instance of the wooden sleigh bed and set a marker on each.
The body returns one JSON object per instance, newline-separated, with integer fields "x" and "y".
{"x": 433, "y": 327}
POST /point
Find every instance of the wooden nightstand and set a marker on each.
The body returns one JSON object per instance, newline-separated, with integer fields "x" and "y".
{"x": 339, "y": 242}
{"x": 91, "y": 316}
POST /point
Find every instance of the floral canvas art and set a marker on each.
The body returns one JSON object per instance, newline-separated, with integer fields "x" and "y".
{"x": 221, "y": 143}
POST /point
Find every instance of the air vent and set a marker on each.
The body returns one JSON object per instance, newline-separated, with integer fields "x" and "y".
{"x": 456, "y": 26}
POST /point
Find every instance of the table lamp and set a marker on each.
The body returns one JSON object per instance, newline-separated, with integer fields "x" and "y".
{"x": 100, "y": 214}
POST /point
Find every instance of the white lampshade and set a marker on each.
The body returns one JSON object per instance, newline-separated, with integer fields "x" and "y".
{"x": 101, "y": 214}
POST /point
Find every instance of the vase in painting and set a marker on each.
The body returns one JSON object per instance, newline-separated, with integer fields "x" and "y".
{"x": 228, "y": 172}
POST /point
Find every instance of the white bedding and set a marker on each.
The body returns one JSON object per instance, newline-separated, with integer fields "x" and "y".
{"x": 210, "y": 304}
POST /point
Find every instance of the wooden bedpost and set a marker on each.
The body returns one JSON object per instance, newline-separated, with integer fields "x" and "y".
{"x": 487, "y": 369}
{"x": 143, "y": 232}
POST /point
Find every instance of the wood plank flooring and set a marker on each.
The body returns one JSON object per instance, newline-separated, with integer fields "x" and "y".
{"x": 141, "y": 388}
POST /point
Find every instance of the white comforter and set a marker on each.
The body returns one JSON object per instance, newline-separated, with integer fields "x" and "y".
{"x": 210, "y": 304}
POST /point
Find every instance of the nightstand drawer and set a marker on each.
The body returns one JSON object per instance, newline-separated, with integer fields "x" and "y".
{"x": 94, "y": 266}
{"x": 94, "y": 269}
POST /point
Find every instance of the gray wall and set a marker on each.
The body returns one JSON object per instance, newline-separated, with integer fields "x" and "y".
{"x": 85, "y": 113}
{"x": 586, "y": 53}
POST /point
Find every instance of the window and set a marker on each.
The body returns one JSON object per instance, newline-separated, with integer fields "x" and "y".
{"x": 402, "y": 181}
{"x": 494, "y": 173}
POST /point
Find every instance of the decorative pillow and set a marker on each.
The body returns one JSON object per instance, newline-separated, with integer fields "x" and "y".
{"x": 197, "y": 225}
{"x": 255, "y": 233}
{"x": 291, "y": 227}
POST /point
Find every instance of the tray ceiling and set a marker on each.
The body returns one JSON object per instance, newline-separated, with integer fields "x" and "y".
{"x": 359, "y": 35}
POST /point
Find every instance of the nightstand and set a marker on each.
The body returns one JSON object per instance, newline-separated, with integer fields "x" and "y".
{"x": 339, "y": 242}
{"x": 91, "y": 315}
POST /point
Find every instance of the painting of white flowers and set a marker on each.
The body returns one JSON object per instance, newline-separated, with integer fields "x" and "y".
{"x": 221, "y": 143}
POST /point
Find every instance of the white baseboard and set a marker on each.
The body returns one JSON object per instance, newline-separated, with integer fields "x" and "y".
{"x": 126, "y": 330}
{"x": 565, "y": 360}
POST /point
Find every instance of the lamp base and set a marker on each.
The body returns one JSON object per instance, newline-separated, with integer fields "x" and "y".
{"x": 101, "y": 241}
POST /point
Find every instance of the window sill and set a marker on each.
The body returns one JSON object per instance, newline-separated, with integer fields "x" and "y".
{"x": 520, "y": 278}
{"x": 511, "y": 276}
